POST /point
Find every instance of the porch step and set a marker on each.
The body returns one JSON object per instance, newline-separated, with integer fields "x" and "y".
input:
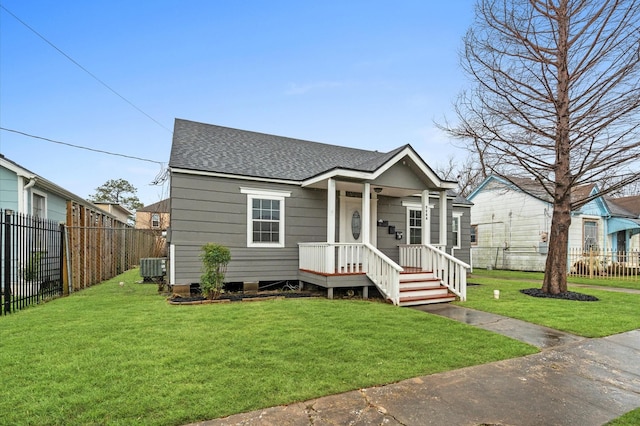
{"x": 413, "y": 276}
{"x": 425, "y": 300}
{"x": 421, "y": 288}
{"x": 423, "y": 291}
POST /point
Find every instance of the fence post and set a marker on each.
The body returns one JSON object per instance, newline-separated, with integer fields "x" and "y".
{"x": 7, "y": 261}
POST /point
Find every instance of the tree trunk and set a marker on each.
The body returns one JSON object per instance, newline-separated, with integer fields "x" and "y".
{"x": 555, "y": 276}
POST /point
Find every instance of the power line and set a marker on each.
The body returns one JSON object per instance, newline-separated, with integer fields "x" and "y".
{"x": 80, "y": 146}
{"x": 83, "y": 68}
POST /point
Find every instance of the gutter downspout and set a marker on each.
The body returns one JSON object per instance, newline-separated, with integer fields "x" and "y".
{"x": 25, "y": 193}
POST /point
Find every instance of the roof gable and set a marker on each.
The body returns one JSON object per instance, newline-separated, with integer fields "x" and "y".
{"x": 161, "y": 206}
{"x": 534, "y": 189}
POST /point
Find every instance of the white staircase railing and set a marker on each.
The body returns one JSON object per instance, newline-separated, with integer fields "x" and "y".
{"x": 452, "y": 272}
{"x": 331, "y": 258}
{"x": 384, "y": 273}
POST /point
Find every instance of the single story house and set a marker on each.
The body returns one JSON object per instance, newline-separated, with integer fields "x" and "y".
{"x": 332, "y": 216}
{"x": 511, "y": 222}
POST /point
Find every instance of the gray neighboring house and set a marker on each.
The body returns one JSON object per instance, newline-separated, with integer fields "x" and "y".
{"x": 322, "y": 214}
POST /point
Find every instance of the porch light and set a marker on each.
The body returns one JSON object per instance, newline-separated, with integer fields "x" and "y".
{"x": 377, "y": 190}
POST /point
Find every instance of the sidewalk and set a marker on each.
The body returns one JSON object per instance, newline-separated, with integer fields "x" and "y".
{"x": 572, "y": 381}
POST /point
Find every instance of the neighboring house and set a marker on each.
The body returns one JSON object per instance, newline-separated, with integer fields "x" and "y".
{"x": 26, "y": 198}
{"x": 117, "y": 210}
{"x": 23, "y": 191}
{"x": 154, "y": 216}
{"x": 627, "y": 223}
{"x": 511, "y": 224}
{"x": 328, "y": 215}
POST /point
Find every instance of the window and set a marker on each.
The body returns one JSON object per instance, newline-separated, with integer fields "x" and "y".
{"x": 415, "y": 222}
{"x": 155, "y": 220}
{"x": 590, "y": 233}
{"x": 415, "y": 226}
{"x": 474, "y": 235}
{"x": 38, "y": 205}
{"x": 456, "y": 229}
{"x": 265, "y": 217}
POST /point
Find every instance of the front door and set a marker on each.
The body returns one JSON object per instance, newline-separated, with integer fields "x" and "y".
{"x": 351, "y": 220}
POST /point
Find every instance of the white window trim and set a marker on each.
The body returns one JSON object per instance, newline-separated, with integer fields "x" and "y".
{"x": 45, "y": 207}
{"x": 417, "y": 206}
{"x": 458, "y": 216}
{"x": 269, "y": 194}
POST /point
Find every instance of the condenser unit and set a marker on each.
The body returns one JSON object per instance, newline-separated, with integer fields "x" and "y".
{"x": 153, "y": 268}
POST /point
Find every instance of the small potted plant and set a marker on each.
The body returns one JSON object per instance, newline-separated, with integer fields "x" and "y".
{"x": 215, "y": 259}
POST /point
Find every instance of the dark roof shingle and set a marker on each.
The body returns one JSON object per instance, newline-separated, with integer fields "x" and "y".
{"x": 211, "y": 148}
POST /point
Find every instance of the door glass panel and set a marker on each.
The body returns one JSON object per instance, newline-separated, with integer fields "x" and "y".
{"x": 356, "y": 225}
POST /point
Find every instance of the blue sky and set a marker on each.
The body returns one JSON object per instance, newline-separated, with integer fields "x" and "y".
{"x": 365, "y": 74}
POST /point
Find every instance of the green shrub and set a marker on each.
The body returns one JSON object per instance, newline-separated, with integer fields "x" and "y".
{"x": 215, "y": 259}
{"x": 32, "y": 270}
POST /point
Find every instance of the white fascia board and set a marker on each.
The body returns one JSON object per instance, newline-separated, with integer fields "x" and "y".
{"x": 338, "y": 173}
{"x": 386, "y": 166}
{"x": 233, "y": 176}
{"x": 16, "y": 169}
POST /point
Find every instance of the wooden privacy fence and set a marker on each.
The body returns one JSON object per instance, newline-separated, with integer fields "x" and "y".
{"x": 96, "y": 254}
{"x": 604, "y": 264}
{"x": 100, "y": 247}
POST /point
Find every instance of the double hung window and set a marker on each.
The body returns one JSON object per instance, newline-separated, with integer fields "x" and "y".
{"x": 265, "y": 217}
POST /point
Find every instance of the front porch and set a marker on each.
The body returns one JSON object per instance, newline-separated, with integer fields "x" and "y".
{"x": 428, "y": 274}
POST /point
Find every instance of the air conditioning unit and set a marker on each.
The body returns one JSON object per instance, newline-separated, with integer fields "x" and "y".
{"x": 153, "y": 268}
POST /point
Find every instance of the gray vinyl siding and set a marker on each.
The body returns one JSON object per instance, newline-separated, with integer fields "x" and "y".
{"x": 210, "y": 209}
{"x": 391, "y": 210}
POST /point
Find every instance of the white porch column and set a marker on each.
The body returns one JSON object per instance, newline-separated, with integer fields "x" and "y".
{"x": 443, "y": 219}
{"x": 426, "y": 224}
{"x": 331, "y": 226}
{"x": 374, "y": 218}
{"x": 366, "y": 213}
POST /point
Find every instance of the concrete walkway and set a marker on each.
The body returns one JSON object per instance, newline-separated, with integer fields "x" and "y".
{"x": 572, "y": 381}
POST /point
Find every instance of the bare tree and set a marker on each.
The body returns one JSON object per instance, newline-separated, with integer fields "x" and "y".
{"x": 556, "y": 98}
{"x": 468, "y": 173}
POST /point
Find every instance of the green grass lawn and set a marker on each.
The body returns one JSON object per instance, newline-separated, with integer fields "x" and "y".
{"x": 539, "y": 276}
{"x": 613, "y": 313}
{"x": 632, "y": 418}
{"x": 121, "y": 355}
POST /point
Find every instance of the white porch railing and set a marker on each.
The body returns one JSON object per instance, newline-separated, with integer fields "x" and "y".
{"x": 451, "y": 271}
{"x": 331, "y": 258}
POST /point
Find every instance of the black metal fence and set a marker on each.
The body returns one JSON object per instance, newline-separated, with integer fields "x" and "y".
{"x": 31, "y": 255}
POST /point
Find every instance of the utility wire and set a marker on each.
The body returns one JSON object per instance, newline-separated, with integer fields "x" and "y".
{"x": 84, "y": 69}
{"x": 161, "y": 177}
{"x": 81, "y": 147}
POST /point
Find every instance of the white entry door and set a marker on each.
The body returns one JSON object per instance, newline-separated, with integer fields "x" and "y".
{"x": 351, "y": 220}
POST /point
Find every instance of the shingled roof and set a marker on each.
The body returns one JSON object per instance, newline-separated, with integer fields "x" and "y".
{"x": 217, "y": 149}
{"x": 625, "y": 206}
{"x": 161, "y": 206}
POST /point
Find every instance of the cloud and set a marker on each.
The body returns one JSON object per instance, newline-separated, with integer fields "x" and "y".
{"x": 302, "y": 89}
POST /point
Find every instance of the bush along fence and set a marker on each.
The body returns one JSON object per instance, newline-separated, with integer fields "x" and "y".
{"x": 604, "y": 264}
{"x": 42, "y": 259}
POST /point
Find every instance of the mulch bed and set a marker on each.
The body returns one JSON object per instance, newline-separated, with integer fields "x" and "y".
{"x": 567, "y": 295}
{"x": 239, "y": 297}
